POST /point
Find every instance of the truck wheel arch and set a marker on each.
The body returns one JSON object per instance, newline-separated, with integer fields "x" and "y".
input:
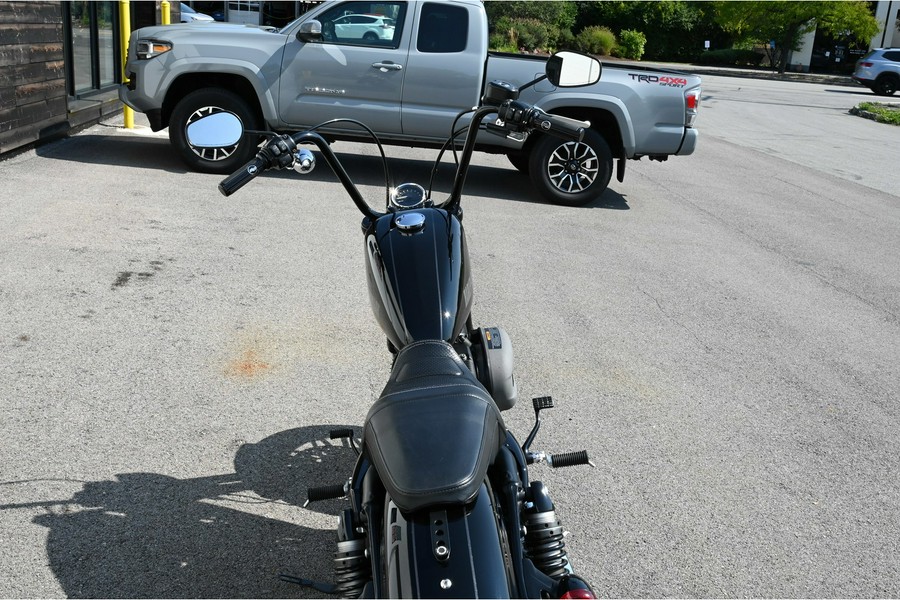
{"x": 191, "y": 82}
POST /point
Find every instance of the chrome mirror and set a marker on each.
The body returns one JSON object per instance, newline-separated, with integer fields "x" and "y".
{"x": 218, "y": 130}
{"x": 571, "y": 69}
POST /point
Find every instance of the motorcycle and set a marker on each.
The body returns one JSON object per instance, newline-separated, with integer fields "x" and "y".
{"x": 441, "y": 504}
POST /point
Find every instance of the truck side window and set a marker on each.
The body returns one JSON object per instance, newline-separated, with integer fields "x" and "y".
{"x": 443, "y": 28}
{"x": 377, "y": 24}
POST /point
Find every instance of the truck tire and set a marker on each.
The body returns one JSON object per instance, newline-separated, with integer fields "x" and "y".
{"x": 886, "y": 85}
{"x": 201, "y": 103}
{"x": 571, "y": 173}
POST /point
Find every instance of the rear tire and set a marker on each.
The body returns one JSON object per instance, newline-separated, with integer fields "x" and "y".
{"x": 571, "y": 173}
{"x": 201, "y": 103}
{"x": 886, "y": 85}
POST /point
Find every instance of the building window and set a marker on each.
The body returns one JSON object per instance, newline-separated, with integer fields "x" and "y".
{"x": 92, "y": 43}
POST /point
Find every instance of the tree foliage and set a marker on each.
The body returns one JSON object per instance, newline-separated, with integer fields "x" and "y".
{"x": 554, "y": 14}
{"x": 675, "y": 29}
{"x": 786, "y": 22}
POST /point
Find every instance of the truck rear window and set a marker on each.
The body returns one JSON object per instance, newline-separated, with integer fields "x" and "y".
{"x": 443, "y": 28}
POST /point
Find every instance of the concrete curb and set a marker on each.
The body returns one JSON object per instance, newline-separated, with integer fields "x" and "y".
{"x": 867, "y": 114}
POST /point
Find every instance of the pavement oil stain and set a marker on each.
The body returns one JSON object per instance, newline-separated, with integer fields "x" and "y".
{"x": 247, "y": 366}
{"x": 122, "y": 279}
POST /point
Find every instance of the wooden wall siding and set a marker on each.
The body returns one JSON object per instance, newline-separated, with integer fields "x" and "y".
{"x": 33, "y": 101}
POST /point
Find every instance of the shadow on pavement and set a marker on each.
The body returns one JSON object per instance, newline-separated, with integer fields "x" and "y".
{"x": 504, "y": 184}
{"x": 155, "y": 153}
{"x": 115, "y": 150}
{"x": 147, "y": 535}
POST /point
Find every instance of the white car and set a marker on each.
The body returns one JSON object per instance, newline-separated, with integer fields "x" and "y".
{"x": 189, "y": 15}
{"x": 364, "y": 27}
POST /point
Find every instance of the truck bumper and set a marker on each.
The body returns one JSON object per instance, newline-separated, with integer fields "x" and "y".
{"x": 688, "y": 142}
{"x": 128, "y": 97}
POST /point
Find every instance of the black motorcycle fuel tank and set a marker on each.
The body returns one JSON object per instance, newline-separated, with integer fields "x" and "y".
{"x": 420, "y": 286}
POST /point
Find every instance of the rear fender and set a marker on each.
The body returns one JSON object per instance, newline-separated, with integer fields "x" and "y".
{"x": 446, "y": 551}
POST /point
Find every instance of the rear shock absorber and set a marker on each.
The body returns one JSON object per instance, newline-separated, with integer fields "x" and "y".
{"x": 351, "y": 566}
{"x": 544, "y": 535}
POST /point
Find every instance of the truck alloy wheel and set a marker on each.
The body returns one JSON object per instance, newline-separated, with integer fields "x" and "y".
{"x": 202, "y": 103}
{"x": 571, "y": 173}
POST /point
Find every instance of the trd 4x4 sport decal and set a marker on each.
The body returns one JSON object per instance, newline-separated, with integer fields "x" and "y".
{"x": 664, "y": 80}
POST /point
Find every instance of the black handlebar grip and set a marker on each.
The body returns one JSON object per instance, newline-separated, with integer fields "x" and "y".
{"x": 243, "y": 176}
{"x": 562, "y": 127}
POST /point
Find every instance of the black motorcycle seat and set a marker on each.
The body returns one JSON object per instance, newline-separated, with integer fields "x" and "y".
{"x": 434, "y": 431}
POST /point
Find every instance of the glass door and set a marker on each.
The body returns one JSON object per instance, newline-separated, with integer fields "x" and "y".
{"x": 91, "y": 46}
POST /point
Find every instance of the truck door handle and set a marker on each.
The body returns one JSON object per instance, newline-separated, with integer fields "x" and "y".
{"x": 387, "y": 66}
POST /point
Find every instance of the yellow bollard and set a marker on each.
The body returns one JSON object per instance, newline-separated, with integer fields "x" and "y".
{"x": 124, "y": 33}
{"x": 166, "y": 10}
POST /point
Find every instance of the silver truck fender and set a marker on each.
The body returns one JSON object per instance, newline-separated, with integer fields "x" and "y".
{"x": 572, "y": 102}
{"x": 246, "y": 70}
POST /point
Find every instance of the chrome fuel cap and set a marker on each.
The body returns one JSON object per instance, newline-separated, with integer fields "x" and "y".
{"x": 410, "y": 222}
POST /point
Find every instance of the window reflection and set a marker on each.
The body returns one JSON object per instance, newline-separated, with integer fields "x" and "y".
{"x": 106, "y": 43}
{"x": 93, "y": 45}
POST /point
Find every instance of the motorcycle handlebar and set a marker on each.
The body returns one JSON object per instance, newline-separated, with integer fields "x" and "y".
{"x": 562, "y": 127}
{"x": 244, "y": 175}
{"x": 533, "y": 118}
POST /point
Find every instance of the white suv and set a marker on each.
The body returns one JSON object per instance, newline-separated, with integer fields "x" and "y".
{"x": 879, "y": 70}
{"x": 364, "y": 27}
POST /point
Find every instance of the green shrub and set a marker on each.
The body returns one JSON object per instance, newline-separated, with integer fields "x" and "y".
{"x": 731, "y": 56}
{"x": 631, "y": 44}
{"x": 500, "y": 42}
{"x": 596, "y": 40}
{"x": 524, "y": 34}
{"x": 566, "y": 40}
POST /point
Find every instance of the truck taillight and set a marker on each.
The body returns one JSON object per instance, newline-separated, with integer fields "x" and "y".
{"x": 691, "y": 106}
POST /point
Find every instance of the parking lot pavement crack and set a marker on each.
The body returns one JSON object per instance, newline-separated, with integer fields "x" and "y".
{"x": 671, "y": 318}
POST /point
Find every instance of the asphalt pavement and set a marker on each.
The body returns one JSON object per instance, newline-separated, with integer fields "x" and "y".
{"x": 720, "y": 332}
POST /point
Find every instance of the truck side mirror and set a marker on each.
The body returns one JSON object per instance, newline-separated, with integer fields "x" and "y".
{"x": 571, "y": 69}
{"x": 310, "y": 31}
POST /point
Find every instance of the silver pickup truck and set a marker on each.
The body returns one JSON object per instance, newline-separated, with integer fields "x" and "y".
{"x": 406, "y": 69}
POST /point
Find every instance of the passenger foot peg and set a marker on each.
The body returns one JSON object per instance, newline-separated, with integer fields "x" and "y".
{"x": 558, "y": 461}
{"x": 327, "y": 492}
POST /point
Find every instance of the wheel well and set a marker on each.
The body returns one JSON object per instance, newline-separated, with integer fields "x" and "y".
{"x": 602, "y": 121}
{"x": 191, "y": 82}
{"x": 893, "y": 76}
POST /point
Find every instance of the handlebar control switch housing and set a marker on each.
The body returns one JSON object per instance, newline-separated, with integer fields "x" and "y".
{"x": 499, "y": 92}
